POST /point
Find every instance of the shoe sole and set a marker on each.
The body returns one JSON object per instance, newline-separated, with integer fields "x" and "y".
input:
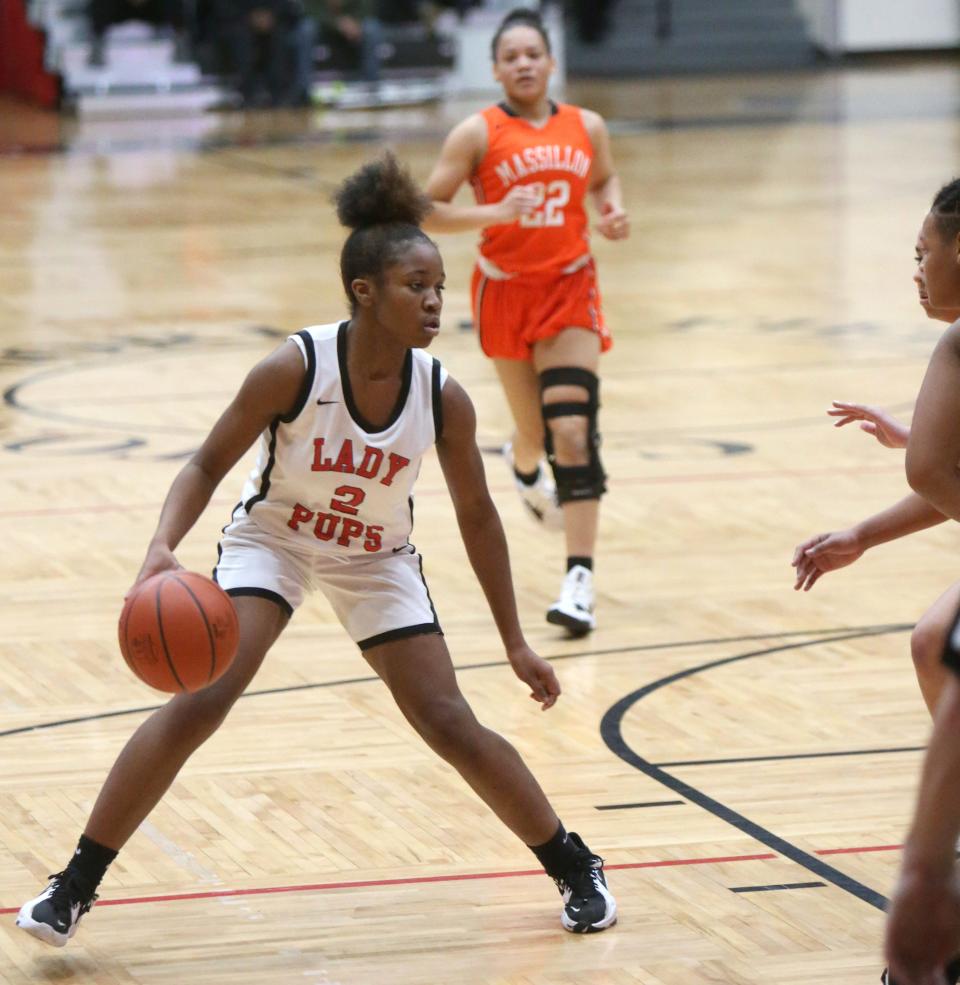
{"x": 44, "y": 932}
{"x": 588, "y": 928}
{"x": 576, "y": 627}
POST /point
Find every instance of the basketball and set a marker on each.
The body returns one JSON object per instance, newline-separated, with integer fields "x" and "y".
{"x": 178, "y": 631}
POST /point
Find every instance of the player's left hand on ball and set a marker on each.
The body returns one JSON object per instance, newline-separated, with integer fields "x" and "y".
{"x": 535, "y": 672}
{"x": 614, "y": 223}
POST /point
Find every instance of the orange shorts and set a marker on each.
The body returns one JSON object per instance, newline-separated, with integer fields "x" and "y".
{"x": 510, "y": 316}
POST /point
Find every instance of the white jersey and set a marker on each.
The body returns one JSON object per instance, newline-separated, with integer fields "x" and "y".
{"x": 326, "y": 478}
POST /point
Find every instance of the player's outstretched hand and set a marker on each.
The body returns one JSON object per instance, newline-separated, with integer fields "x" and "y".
{"x": 822, "y": 553}
{"x": 613, "y": 223}
{"x": 537, "y": 674}
{"x": 159, "y": 558}
{"x": 886, "y": 429}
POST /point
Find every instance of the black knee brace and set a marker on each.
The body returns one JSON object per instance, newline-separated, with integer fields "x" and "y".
{"x": 575, "y": 482}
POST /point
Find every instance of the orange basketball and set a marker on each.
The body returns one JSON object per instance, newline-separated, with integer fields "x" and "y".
{"x": 178, "y": 631}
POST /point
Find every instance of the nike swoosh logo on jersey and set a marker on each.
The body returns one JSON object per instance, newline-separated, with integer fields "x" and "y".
{"x": 321, "y": 402}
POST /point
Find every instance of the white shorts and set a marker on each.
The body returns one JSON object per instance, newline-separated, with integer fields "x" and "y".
{"x": 377, "y": 599}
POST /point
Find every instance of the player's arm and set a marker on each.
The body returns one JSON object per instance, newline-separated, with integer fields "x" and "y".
{"x": 614, "y": 223}
{"x": 873, "y": 420}
{"x": 461, "y": 153}
{"x": 269, "y": 391}
{"x": 933, "y": 447}
{"x": 484, "y": 539}
{"x": 923, "y": 926}
{"x": 827, "y": 552}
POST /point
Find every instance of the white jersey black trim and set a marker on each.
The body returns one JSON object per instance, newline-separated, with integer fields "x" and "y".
{"x": 308, "y": 377}
{"x": 426, "y": 588}
{"x": 265, "y": 478}
{"x": 306, "y": 466}
{"x": 424, "y": 629}
{"x": 263, "y": 593}
{"x": 354, "y": 410}
{"x": 436, "y": 388}
{"x": 404, "y": 632}
{"x": 305, "y": 387}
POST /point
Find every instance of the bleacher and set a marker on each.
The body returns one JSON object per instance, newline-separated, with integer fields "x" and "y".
{"x": 140, "y": 74}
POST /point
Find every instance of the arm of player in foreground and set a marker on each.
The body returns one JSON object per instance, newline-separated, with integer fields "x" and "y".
{"x": 484, "y": 539}
{"x": 923, "y": 925}
{"x": 826, "y": 552}
{"x": 269, "y": 391}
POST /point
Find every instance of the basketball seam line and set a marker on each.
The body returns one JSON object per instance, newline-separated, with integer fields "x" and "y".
{"x": 163, "y": 638}
{"x": 206, "y": 623}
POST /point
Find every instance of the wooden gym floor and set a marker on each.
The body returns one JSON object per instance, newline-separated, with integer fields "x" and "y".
{"x": 743, "y": 756}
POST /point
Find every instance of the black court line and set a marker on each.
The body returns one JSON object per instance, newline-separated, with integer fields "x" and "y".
{"x": 611, "y": 732}
{"x": 629, "y": 807}
{"x": 795, "y": 755}
{"x": 371, "y": 678}
{"x": 11, "y": 397}
{"x": 783, "y": 885}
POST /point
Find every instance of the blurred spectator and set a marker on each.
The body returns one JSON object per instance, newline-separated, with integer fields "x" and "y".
{"x": 592, "y": 19}
{"x": 162, "y": 13}
{"x": 258, "y": 33}
{"x": 350, "y": 28}
{"x": 429, "y": 11}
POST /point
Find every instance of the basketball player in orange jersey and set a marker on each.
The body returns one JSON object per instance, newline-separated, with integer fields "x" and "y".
{"x": 343, "y": 413}
{"x": 826, "y": 552}
{"x": 536, "y": 305}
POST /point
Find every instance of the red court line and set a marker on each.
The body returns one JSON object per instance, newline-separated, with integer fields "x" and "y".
{"x": 414, "y": 880}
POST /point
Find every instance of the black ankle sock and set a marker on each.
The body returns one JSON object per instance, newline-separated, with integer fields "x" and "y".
{"x": 527, "y": 478}
{"x": 557, "y": 854}
{"x": 90, "y": 862}
{"x": 584, "y": 562}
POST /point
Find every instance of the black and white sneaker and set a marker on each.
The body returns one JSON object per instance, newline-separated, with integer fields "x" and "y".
{"x": 540, "y": 498}
{"x": 574, "y": 609}
{"x": 53, "y": 916}
{"x": 588, "y": 906}
{"x": 951, "y": 973}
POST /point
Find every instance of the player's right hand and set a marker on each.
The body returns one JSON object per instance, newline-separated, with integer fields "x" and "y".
{"x": 520, "y": 200}
{"x": 822, "y": 553}
{"x": 886, "y": 429}
{"x": 159, "y": 558}
{"x": 537, "y": 674}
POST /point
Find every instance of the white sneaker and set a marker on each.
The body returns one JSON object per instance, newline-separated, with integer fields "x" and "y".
{"x": 574, "y": 608}
{"x": 540, "y": 499}
{"x": 53, "y": 916}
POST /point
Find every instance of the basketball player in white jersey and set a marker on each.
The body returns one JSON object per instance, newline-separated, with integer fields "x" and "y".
{"x": 344, "y": 413}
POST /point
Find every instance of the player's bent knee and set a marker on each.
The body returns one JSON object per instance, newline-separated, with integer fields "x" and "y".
{"x": 447, "y": 725}
{"x": 574, "y": 421}
{"x": 926, "y": 644}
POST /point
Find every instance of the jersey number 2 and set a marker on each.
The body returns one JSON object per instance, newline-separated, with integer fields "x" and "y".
{"x": 352, "y": 498}
{"x": 548, "y": 210}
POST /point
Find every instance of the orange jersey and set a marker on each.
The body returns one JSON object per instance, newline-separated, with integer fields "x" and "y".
{"x": 555, "y": 160}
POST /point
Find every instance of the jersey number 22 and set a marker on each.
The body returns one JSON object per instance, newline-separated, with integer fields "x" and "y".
{"x": 548, "y": 209}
